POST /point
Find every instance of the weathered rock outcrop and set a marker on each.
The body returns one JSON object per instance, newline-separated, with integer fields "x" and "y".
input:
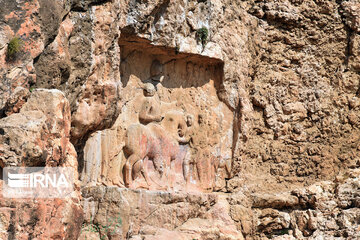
{"x": 321, "y": 211}
{"x": 39, "y": 135}
{"x": 156, "y": 215}
{"x": 241, "y": 116}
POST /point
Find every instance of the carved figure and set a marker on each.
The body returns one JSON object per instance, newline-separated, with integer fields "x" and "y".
{"x": 156, "y": 142}
{"x": 150, "y": 109}
{"x": 156, "y": 73}
{"x": 206, "y": 163}
{"x": 188, "y": 159}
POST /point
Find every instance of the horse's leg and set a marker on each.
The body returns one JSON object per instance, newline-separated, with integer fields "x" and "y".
{"x": 143, "y": 170}
{"x": 159, "y": 164}
{"x": 127, "y": 174}
{"x": 128, "y": 177}
{"x": 168, "y": 176}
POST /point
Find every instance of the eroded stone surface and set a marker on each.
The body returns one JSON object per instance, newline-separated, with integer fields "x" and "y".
{"x": 42, "y": 219}
{"x": 29, "y": 21}
{"x": 39, "y": 135}
{"x": 289, "y": 77}
{"x": 157, "y": 215}
{"x": 322, "y": 210}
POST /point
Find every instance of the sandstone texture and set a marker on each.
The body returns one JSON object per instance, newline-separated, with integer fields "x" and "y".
{"x": 156, "y": 215}
{"x": 182, "y": 119}
{"x": 39, "y": 136}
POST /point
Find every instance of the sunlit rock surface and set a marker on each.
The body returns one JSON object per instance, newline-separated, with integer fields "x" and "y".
{"x": 181, "y": 119}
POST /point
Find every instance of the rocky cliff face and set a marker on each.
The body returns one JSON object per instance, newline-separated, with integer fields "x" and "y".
{"x": 198, "y": 119}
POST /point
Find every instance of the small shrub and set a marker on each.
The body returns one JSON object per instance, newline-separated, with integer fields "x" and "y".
{"x": 202, "y": 35}
{"x": 14, "y": 46}
{"x": 103, "y": 230}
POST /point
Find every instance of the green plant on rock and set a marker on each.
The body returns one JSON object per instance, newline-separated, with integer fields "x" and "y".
{"x": 14, "y": 46}
{"x": 202, "y": 35}
{"x": 113, "y": 224}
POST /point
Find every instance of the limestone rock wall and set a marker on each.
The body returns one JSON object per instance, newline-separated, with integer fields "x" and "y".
{"x": 151, "y": 215}
{"x": 273, "y": 93}
{"x": 39, "y": 136}
{"x": 186, "y": 96}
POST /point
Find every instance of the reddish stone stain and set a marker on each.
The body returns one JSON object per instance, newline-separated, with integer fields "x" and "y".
{"x": 67, "y": 27}
{"x": 143, "y": 144}
{"x": 27, "y": 27}
{"x": 29, "y": 67}
{"x": 11, "y": 16}
{"x": 33, "y": 47}
{"x": 30, "y": 8}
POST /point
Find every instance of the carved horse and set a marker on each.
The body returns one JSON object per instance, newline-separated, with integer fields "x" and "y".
{"x": 154, "y": 141}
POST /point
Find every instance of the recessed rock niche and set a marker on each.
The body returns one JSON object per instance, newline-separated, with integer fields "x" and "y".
{"x": 173, "y": 132}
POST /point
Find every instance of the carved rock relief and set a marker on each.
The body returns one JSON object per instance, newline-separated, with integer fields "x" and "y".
{"x": 173, "y": 132}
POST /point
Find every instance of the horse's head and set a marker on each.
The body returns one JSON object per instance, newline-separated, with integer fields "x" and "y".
{"x": 174, "y": 123}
